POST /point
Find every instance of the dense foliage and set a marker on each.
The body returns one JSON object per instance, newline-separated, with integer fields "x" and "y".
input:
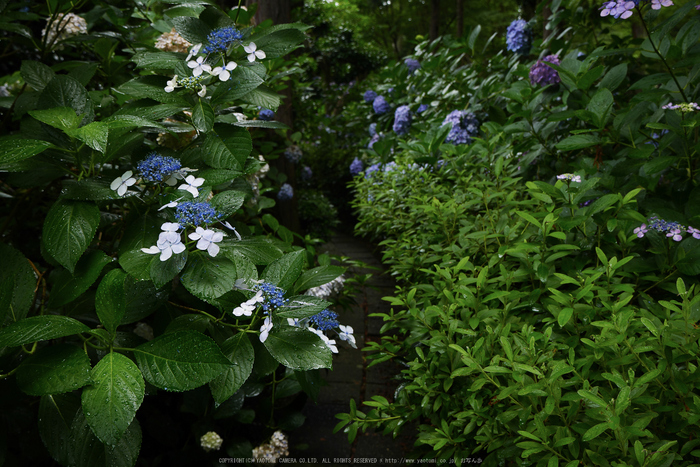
{"x": 541, "y": 214}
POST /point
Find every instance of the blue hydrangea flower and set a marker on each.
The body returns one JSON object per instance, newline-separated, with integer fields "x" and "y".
{"x": 220, "y": 39}
{"x": 372, "y": 129}
{"x": 371, "y": 169}
{"x": 519, "y": 37}
{"x": 325, "y": 320}
{"x": 412, "y": 64}
{"x": 464, "y": 126}
{"x": 542, "y": 74}
{"x": 266, "y": 114}
{"x": 193, "y": 213}
{"x": 673, "y": 230}
{"x": 374, "y": 139}
{"x": 402, "y": 120}
{"x": 293, "y": 153}
{"x": 155, "y": 167}
{"x": 355, "y": 167}
{"x": 422, "y": 108}
{"x": 369, "y": 96}
{"x": 380, "y": 105}
{"x": 306, "y": 173}
{"x": 274, "y": 296}
{"x": 286, "y": 192}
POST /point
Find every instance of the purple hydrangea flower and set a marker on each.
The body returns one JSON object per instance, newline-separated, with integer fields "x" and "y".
{"x": 266, "y": 114}
{"x": 355, "y": 167}
{"x": 402, "y": 120}
{"x": 369, "y": 96}
{"x": 286, "y": 192}
{"x": 618, "y": 9}
{"x": 673, "y": 230}
{"x": 380, "y": 105}
{"x": 371, "y": 169}
{"x": 293, "y": 153}
{"x": 542, "y": 74}
{"x": 422, "y": 108}
{"x": 374, "y": 139}
{"x": 372, "y": 129}
{"x": 412, "y": 64}
{"x": 306, "y": 173}
{"x": 464, "y": 126}
{"x": 519, "y": 37}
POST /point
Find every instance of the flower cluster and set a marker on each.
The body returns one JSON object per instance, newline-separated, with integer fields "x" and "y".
{"x": 369, "y": 96}
{"x": 519, "y": 37}
{"x": 355, "y": 167}
{"x": 220, "y": 39}
{"x": 172, "y": 42}
{"x": 155, "y": 168}
{"x": 402, "y": 120}
{"x": 673, "y": 230}
{"x": 542, "y": 74}
{"x": 62, "y": 28}
{"x": 169, "y": 242}
{"x": 570, "y": 177}
{"x": 306, "y": 173}
{"x": 196, "y": 214}
{"x": 207, "y": 240}
{"x": 372, "y": 129}
{"x": 273, "y": 296}
{"x": 293, "y": 153}
{"x": 380, "y": 105}
{"x": 268, "y": 453}
{"x": 624, "y": 8}
{"x": 211, "y": 441}
{"x": 266, "y": 114}
{"x": 412, "y": 64}
{"x": 326, "y": 320}
{"x": 690, "y": 107}
{"x": 464, "y": 126}
{"x": 286, "y": 192}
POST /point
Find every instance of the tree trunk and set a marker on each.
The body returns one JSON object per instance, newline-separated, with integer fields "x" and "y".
{"x": 285, "y": 211}
{"x": 460, "y": 18}
{"x": 434, "y": 19}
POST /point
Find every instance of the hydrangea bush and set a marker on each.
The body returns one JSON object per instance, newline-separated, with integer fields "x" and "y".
{"x": 139, "y": 271}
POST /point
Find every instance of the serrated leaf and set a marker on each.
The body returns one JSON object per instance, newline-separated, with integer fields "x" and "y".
{"x": 317, "y": 276}
{"x": 162, "y": 272}
{"x": 227, "y": 147}
{"x": 283, "y": 272}
{"x": 298, "y": 349}
{"x": 93, "y": 134}
{"x": 203, "y": 116}
{"x": 157, "y": 60}
{"x": 193, "y": 30}
{"x": 259, "y": 250}
{"x": 261, "y": 124}
{"x": 68, "y": 230}
{"x": 111, "y": 401}
{"x": 243, "y": 80}
{"x": 180, "y": 361}
{"x": 110, "y": 301}
{"x": 17, "y": 283}
{"x": 228, "y": 202}
{"x": 302, "y": 306}
{"x": 56, "y": 413}
{"x": 263, "y": 96}
{"x": 64, "y": 91}
{"x": 152, "y": 87}
{"x": 88, "y": 451}
{"x": 208, "y": 278}
{"x": 54, "y": 370}
{"x": 239, "y": 351}
{"x": 14, "y": 149}
{"x": 280, "y": 43}
{"x": 572, "y": 143}
{"x": 63, "y": 118}
{"x": 39, "y": 328}
{"x": 36, "y": 74}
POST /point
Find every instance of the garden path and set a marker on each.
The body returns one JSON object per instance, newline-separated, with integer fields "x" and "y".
{"x": 350, "y": 377}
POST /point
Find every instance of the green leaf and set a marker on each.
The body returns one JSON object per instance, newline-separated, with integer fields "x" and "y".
{"x": 40, "y": 328}
{"x": 284, "y": 271}
{"x": 88, "y": 190}
{"x": 243, "y": 80}
{"x": 14, "y": 149}
{"x": 506, "y": 347}
{"x": 298, "y": 349}
{"x": 63, "y": 118}
{"x": 138, "y": 264}
{"x": 239, "y": 351}
{"x": 36, "y": 74}
{"x": 577, "y": 142}
{"x": 261, "y": 124}
{"x": 564, "y": 316}
{"x": 152, "y": 87}
{"x": 208, "y": 278}
{"x": 142, "y": 299}
{"x": 601, "y": 105}
{"x": 280, "y": 43}
{"x": 56, "y": 412}
{"x": 162, "y": 272}
{"x": 203, "y": 116}
{"x": 317, "y": 276}
{"x": 227, "y": 147}
{"x": 658, "y": 164}
{"x": 180, "y": 361}
{"x": 595, "y": 431}
{"x": 264, "y": 97}
{"x": 259, "y": 250}
{"x": 602, "y": 203}
{"x": 311, "y": 382}
{"x": 614, "y": 77}
{"x": 302, "y": 306}
{"x": 592, "y": 397}
{"x": 64, "y": 91}
{"x": 228, "y": 202}
{"x": 110, "y": 301}
{"x": 93, "y": 134}
{"x": 17, "y": 283}
{"x": 54, "y": 370}
{"x": 88, "y": 451}
{"x": 67, "y": 287}
{"x": 116, "y": 393}
{"x": 157, "y": 60}
{"x": 193, "y": 30}
{"x": 68, "y": 230}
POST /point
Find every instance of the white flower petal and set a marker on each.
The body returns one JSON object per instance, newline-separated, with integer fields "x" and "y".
{"x": 213, "y": 249}
{"x": 121, "y": 190}
{"x": 178, "y": 248}
{"x": 166, "y": 254}
{"x": 152, "y": 250}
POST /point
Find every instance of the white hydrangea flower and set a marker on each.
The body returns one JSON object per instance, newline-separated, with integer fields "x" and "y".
{"x": 211, "y": 441}
{"x": 178, "y": 175}
{"x": 253, "y": 52}
{"x": 172, "y": 85}
{"x": 330, "y": 343}
{"x": 230, "y": 227}
{"x": 224, "y": 73}
{"x": 169, "y": 242}
{"x": 248, "y": 307}
{"x": 122, "y": 184}
{"x": 193, "y": 52}
{"x": 198, "y": 66}
{"x": 346, "y": 334}
{"x": 171, "y": 204}
{"x": 265, "y": 329}
{"x": 191, "y": 184}
{"x": 203, "y": 91}
{"x": 208, "y": 240}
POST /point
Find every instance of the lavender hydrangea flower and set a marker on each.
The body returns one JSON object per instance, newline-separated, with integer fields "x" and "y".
{"x": 355, "y": 167}
{"x": 402, "y": 120}
{"x": 380, "y": 105}
{"x": 422, "y": 108}
{"x": 293, "y": 153}
{"x": 464, "y": 126}
{"x": 673, "y": 230}
{"x": 542, "y": 74}
{"x": 372, "y": 129}
{"x": 266, "y": 114}
{"x": 371, "y": 169}
{"x": 220, "y": 39}
{"x": 569, "y": 177}
{"x": 519, "y": 37}
{"x": 690, "y": 107}
{"x": 369, "y": 96}
{"x": 412, "y": 64}
{"x": 374, "y": 139}
{"x": 286, "y": 192}
{"x": 306, "y": 173}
